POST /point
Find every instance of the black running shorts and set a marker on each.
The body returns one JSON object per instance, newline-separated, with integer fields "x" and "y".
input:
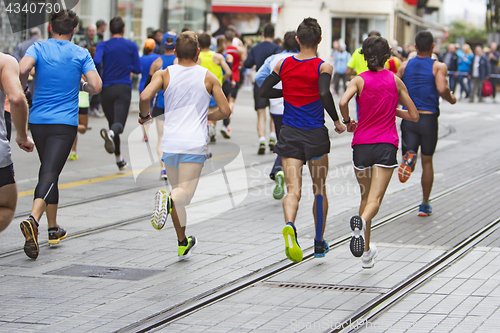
{"x": 259, "y": 102}
{"x": 423, "y": 133}
{"x": 302, "y": 144}
{"x": 7, "y": 175}
{"x": 234, "y": 90}
{"x": 375, "y": 154}
{"x": 158, "y": 112}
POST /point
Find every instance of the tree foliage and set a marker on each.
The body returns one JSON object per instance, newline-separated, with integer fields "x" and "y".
{"x": 466, "y": 30}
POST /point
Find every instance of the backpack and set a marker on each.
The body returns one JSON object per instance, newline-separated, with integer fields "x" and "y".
{"x": 487, "y": 89}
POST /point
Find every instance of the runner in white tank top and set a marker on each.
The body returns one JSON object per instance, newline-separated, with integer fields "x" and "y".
{"x": 187, "y": 89}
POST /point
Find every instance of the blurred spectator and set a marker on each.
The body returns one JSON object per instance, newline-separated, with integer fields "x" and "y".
{"x": 158, "y": 37}
{"x": 450, "y": 58}
{"x": 464, "y": 60}
{"x": 35, "y": 36}
{"x": 341, "y": 57}
{"x": 479, "y": 71}
{"x": 101, "y": 29}
{"x": 90, "y": 39}
{"x": 493, "y": 58}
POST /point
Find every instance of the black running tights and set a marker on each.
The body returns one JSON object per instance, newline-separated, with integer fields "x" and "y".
{"x": 115, "y": 101}
{"x": 53, "y": 143}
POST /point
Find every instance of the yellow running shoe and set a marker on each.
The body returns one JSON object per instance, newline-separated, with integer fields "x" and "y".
{"x": 163, "y": 207}
{"x": 292, "y": 247}
{"x": 73, "y": 156}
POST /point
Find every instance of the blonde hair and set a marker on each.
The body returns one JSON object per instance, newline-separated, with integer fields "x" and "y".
{"x": 466, "y": 48}
{"x": 186, "y": 45}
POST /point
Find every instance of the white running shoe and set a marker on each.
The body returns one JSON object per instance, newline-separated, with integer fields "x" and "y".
{"x": 163, "y": 207}
{"x": 368, "y": 258}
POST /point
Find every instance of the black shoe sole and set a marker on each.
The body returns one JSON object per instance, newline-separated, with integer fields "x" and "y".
{"x": 357, "y": 244}
{"x": 262, "y": 151}
{"x": 109, "y": 145}
{"x": 31, "y": 244}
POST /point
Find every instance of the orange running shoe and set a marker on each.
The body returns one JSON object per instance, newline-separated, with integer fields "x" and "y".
{"x": 407, "y": 166}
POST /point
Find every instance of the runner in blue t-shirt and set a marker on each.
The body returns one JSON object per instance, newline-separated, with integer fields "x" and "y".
{"x": 116, "y": 59}
{"x": 147, "y": 59}
{"x": 59, "y": 65}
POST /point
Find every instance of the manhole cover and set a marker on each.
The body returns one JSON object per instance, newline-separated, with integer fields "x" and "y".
{"x": 119, "y": 273}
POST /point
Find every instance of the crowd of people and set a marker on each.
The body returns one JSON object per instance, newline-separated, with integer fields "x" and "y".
{"x": 190, "y": 80}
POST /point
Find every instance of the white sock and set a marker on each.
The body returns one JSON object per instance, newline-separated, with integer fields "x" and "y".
{"x": 262, "y": 139}
{"x": 272, "y": 135}
{"x": 111, "y": 134}
{"x": 119, "y": 158}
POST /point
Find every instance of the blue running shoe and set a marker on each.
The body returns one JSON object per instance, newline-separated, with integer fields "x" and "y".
{"x": 424, "y": 210}
{"x": 357, "y": 245}
{"x": 292, "y": 247}
{"x": 320, "y": 249}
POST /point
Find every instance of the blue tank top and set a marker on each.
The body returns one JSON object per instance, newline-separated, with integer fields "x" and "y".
{"x": 421, "y": 84}
{"x": 168, "y": 60}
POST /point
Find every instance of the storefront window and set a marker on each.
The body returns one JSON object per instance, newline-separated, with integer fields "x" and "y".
{"x": 353, "y": 31}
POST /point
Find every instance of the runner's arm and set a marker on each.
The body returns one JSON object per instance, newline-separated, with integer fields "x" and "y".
{"x": 352, "y": 89}
{"x": 25, "y": 66}
{"x": 223, "y": 110}
{"x": 266, "y": 90}
{"x": 411, "y": 113}
{"x": 94, "y": 83}
{"x": 136, "y": 61}
{"x": 155, "y": 66}
{"x": 401, "y": 70}
{"x": 263, "y": 72}
{"x": 222, "y": 62}
{"x": 149, "y": 92}
{"x": 442, "y": 84}
{"x": 325, "y": 77}
{"x": 11, "y": 86}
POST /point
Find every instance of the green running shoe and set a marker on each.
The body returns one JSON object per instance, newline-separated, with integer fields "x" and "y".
{"x": 163, "y": 207}
{"x": 279, "y": 190}
{"x": 184, "y": 252}
{"x": 292, "y": 247}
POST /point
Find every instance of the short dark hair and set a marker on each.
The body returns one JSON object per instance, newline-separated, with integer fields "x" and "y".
{"x": 289, "y": 41}
{"x": 186, "y": 45}
{"x": 309, "y": 32}
{"x": 229, "y": 34}
{"x": 374, "y": 33}
{"x": 64, "y": 22}
{"x": 99, "y": 23}
{"x": 116, "y": 25}
{"x": 376, "y": 51}
{"x": 424, "y": 40}
{"x": 269, "y": 30}
{"x": 204, "y": 40}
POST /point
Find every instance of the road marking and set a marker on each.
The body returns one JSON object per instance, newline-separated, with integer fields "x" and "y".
{"x": 107, "y": 177}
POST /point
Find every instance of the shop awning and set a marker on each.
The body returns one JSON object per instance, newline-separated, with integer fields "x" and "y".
{"x": 417, "y": 20}
{"x": 244, "y": 8}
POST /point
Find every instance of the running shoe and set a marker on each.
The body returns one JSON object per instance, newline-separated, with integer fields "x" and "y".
{"x": 108, "y": 136}
{"x": 226, "y": 132}
{"x": 424, "y": 210}
{"x": 94, "y": 112}
{"x": 122, "y": 165}
{"x": 211, "y": 132}
{"x": 262, "y": 148}
{"x": 279, "y": 190}
{"x": 29, "y": 228}
{"x": 368, "y": 258}
{"x": 56, "y": 234}
{"x": 163, "y": 207}
{"x": 73, "y": 156}
{"x": 292, "y": 247}
{"x": 163, "y": 174}
{"x": 184, "y": 252}
{"x": 357, "y": 244}
{"x": 272, "y": 143}
{"x": 320, "y": 249}
{"x": 407, "y": 166}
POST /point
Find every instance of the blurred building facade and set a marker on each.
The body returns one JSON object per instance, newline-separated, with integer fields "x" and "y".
{"x": 349, "y": 20}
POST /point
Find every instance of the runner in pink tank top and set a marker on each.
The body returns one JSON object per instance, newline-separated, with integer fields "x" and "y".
{"x": 375, "y": 141}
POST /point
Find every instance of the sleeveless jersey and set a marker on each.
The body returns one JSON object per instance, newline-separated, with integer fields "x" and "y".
{"x": 232, "y": 50}
{"x": 207, "y": 61}
{"x": 5, "y": 159}
{"x": 377, "y": 109}
{"x": 168, "y": 60}
{"x": 421, "y": 84}
{"x": 186, "y": 111}
{"x": 302, "y": 105}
